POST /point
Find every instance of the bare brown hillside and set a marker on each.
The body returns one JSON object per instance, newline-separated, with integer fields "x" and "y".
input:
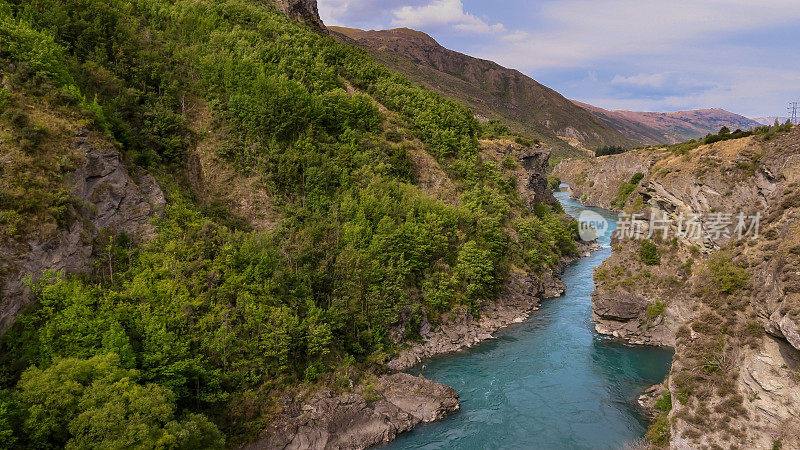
{"x": 669, "y": 128}
{"x": 492, "y": 91}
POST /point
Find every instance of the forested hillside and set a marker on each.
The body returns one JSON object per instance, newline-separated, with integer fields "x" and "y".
{"x": 183, "y": 336}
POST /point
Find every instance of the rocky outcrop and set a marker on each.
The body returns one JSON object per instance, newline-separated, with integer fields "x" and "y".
{"x": 596, "y": 181}
{"x": 620, "y": 307}
{"x": 641, "y": 304}
{"x": 395, "y": 404}
{"x": 303, "y": 10}
{"x": 112, "y": 199}
{"x": 529, "y": 168}
{"x": 784, "y": 327}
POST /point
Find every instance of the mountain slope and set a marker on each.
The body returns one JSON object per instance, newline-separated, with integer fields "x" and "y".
{"x": 489, "y": 89}
{"x": 670, "y": 128}
{"x": 769, "y": 120}
{"x": 307, "y": 212}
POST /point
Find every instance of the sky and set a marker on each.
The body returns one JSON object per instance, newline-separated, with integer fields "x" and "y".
{"x": 642, "y": 55}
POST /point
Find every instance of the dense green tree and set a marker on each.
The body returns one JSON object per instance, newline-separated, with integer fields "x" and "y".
{"x": 86, "y": 403}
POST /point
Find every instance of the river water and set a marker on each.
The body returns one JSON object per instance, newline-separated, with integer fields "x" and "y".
{"x": 550, "y": 382}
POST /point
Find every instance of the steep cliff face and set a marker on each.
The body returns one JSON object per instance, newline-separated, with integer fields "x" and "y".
{"x": 728, "y": 305}
{"x": 528, "y": 166}
{"x": 113, "y": 199}
{"x": 597, "y": 181}
{"x": 303, "y": 10}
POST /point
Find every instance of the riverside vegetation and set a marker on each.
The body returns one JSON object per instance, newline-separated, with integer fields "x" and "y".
{"x": 186, "y": 340}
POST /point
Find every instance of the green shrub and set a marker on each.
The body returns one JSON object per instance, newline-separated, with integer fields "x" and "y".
{"x": 658, "y": 432}
{"x": 493, "y": 129}
{"x": 5, "y": 98}
{"x": 610, "y": 150}
{"x": 96, "y": 402}
{"x": 626, "y": 189}
{"x": 723, "y": 275}
{"x": 664, "y": 403}
{"x": 655, "y": 309}
{"x": 523, "y": 141}
{"x": 509, "y": 162}
{"x": 649, "y": 253}
{"x": 553, "y": 182}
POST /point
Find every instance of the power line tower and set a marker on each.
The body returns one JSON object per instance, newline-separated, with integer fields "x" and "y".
{"x": 793, "y": 112}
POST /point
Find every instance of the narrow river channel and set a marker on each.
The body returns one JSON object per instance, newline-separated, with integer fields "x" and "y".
{"x": 550, "y": 382}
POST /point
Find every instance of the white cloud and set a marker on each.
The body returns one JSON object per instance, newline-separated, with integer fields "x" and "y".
{"x": 653, "y": 81}
{"x": 628, "y": 54}
{"x": 516, "y": 36}
{"x": 574, "y": 32}
{"x": 441, "y": 13}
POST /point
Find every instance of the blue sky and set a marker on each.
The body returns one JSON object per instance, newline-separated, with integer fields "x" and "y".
{"x": 645, "y": 55}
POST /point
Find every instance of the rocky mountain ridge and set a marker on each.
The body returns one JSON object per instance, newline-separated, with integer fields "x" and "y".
{"x": 652, "y": 128}
{"x": 492, "y": 91}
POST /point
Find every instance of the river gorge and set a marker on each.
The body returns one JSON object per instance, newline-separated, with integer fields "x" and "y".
{"x": 549, "y": 382}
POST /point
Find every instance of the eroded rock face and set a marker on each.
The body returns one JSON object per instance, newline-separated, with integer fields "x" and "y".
{"x": 785, "y": 327}
{"x": 596, "y": 181}
{"x": 530, "y": 172}
{"x": 303, "y": 10}
{"x": 113, "y": 199}
{"x": 535, "y": 164}
{"x": 619, "y": 307}
{"x": 753, "y": 402}
{"x": 350, "y": 421}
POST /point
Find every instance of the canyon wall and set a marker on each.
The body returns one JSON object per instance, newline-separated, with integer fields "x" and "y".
{"x": 728, "y": 304}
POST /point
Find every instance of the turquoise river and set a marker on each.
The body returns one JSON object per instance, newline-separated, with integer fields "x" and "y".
{"x": 550, "y": 382}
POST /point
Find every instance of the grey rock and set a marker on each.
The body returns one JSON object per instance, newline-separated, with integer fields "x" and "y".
{"x": 784, "y": 327}
{"x": 303, "y": 10}
{"x": 618, "y": 306}
{"x": 349, "y": 421}
{"x": 113, "y": 199}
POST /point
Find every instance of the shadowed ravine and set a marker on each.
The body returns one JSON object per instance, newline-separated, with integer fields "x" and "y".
{"x": 550, "y": 382}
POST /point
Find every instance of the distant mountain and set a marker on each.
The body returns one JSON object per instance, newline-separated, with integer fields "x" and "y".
{"x": 770, "y": 120}
{"x": 491, "y": 90}
{"x": 669, "y": 128}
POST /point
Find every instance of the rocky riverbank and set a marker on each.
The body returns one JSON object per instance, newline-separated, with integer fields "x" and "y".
{"x": 372, "y": 414}
{"x": 521, "y": 295}
{"x": 376, "y": 412}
